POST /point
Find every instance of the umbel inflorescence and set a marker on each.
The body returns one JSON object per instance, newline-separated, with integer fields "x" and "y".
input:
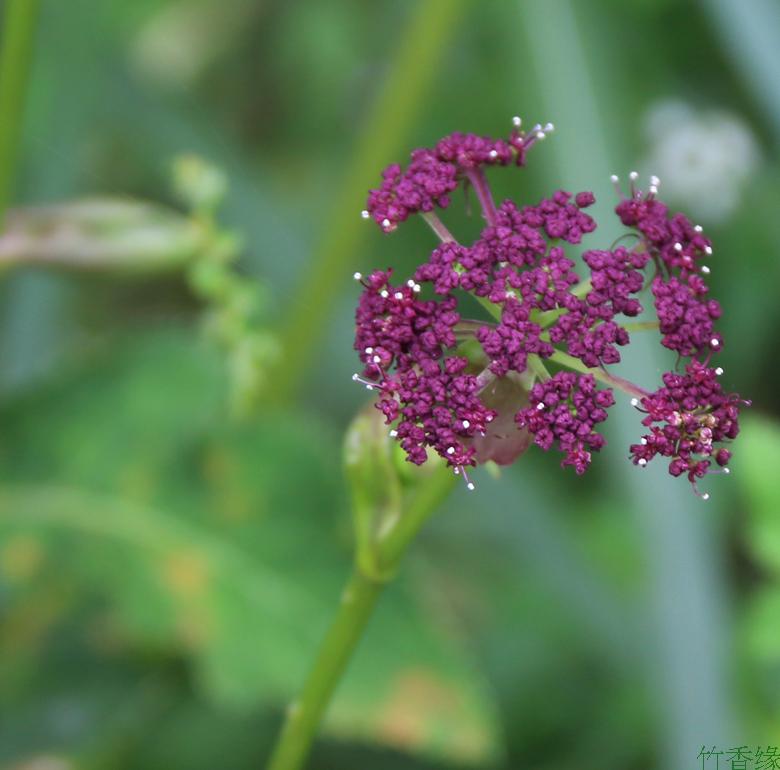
{"x": 475, "y": 390}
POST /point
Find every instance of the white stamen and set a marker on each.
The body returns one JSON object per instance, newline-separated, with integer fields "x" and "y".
{"x": 466, "y": 424}
{"x": 451, "y": 450}
{"x": 539, "y": 406}
{"x": 727, "y": 471}
{"x": 410, "y": 283}
{"x": 369, "y": 387}
{"x": 705, "y": 496}
{"x": 377, "y": 359}
{"x": 493, "y": 153}
{"x": 369, "y": 350}
{"x": 698, "y": 228}
{"x": 393, "y": 433}
{"x": 655, "y": 182}
{"x": 489, "y": 418}
{"x": 719, "y": 371}
{"x": 386, "y": 223}
{"x": 643, "y": 441}
{"x": 456, "y": 471}
{"x": 653, "y": 189}
{"x": 416, "y": 288}
{"x": 549, "y": 128}
{"x": 633, "y": 176}
{"x": 614, "y": 178}
{"x": 517, "y": 121}
{"x": 678, "y": 247}
{"x": 715, "y": 342}
{"x": 641, "y": 462}
{"x": 470, "y": 486}
{"x": 634, "y": 402}
{"x": 540, "y": 135}
{"x": 708, "y": 250}
{"x": 357, "y": 276}
{"x": 399, "y": 295}
{"x": 384, "y": 293}
{"x": 355, "y": 377}
{"x": 365, "y": 214}
{"x": 705, "y": 269}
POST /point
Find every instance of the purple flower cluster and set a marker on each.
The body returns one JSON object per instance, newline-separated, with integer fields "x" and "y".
{"x": 566, "y": 408}
{"x": 433, "y": 369}
{"x": 689, "y": 417}
{"x": 432, "y": 175}
{"x": 435, "y": 402}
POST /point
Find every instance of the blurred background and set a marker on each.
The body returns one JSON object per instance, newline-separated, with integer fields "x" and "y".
{"x": 175, "y": 385}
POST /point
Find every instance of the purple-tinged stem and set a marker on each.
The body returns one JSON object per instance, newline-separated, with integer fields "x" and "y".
{"x": 476, "y": 177}
{"x": 600, "y": 374}
{"x": 438, "y": 227}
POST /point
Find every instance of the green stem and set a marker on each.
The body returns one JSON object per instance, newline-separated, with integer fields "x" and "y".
{"x": 357, "y": 603}
{"x": 19, "y": 22}
{"x": 303, "y": 715}
{"x": 600, "y": 374}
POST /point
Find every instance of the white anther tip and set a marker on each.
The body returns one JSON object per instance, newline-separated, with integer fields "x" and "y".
{"x": 376, "y": 359}
{"x": 655, "y": 181}
{"x": 384, "y": 293}
{"x": 634, "y": 402}
{"x": 705, "y": 270}
{"x": 715, "y": 342}
{"x": 705, "y": 496}
{"x": 641, "y": 462}
{"x": 633, "y": 176}
{"x": 517, "y": 121}
{"x": 357, "y": 276}
{"x": 614, "y": 178}
{"x": 470, "y": 486}
{"x": 653, "y": 189}
{"x": 539, "y": 406}
{"x": 698, "y": 228}
{"x": 540, "y": 135}
{"x": 386, "y": 223}
{"x": 678, "y": 247}
{"x": 719, "y": 371}
{"x": 549, "y": 127}
{"x": 393, "y": 433}
{"x": 708, "y": 250}
{"x": 365, "y": 214}
{"x": 493, "y": 153}
{"x": 399, "y": 295}
{"x": 727, "y": 471}
{"x": 643, "y": 441}
{"x": 451, "y": 450}
{"x": 417, "y": 288}
{"x": 355, "y": 377}
{"x": 466, "y": 424}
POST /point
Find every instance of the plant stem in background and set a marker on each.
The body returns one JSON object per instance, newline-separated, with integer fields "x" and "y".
{"x": 19, "y": 20}
{"x": 396, "y": 107}
{"x": 304, "y": 715}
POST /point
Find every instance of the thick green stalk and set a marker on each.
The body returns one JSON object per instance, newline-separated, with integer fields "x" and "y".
{"x": 303, "y": 715}
{"x": 18, "y": 30}
{"x": 404, "y": 91}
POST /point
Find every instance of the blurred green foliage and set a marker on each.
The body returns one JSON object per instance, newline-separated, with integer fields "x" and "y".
{"x": 168, "y": 562}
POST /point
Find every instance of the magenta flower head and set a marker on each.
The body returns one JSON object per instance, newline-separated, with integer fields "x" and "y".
{"x": 538, "y": 368}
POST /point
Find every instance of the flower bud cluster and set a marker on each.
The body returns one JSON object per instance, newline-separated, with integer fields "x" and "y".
{"x": 433, "y": 393}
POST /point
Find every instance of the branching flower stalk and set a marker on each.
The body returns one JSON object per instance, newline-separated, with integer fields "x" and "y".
{"x": 549, "y": 331}
{"x": 457, "y": 392}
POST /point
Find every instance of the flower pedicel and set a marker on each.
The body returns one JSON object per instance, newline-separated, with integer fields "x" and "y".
{"x": 436, "y": 373}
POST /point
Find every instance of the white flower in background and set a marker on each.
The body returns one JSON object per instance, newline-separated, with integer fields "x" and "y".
{"x": 703, "y": 158}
